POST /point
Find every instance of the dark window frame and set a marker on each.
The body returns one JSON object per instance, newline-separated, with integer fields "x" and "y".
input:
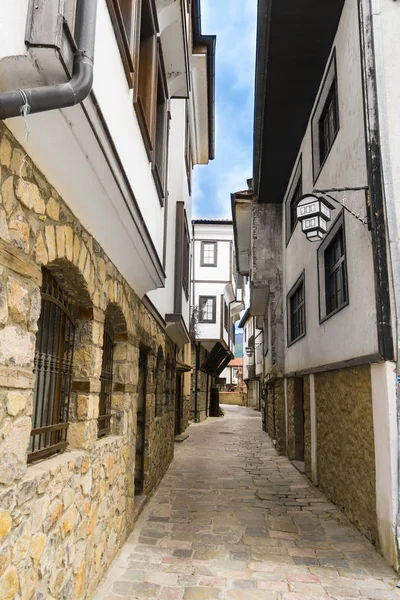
{"x": 146, "y": 74}
{"x": 214, "y": 309}
{"x": 215, "y": 258}
{"x": 330, "y": 80}
{"x": 226, "y": 317}
{"x": 161, "y": 129}
{"x": 335, "y": 266}
{"x": 292, "y": 198}
{"x": 339, "y": 223}
{"x": 53, "y": 366}
{"x": 297, "y": 295}
{"x": 119, "y": 14}
{"x": 328, "y": 123}
{"x": 188, "y": 151}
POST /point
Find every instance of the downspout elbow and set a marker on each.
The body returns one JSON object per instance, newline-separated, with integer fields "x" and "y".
{"x": 53, "y": 97}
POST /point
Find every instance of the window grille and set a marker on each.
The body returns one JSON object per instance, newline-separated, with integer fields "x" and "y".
{"x": 53, "y": 369}
{"x": 106, "y": 379}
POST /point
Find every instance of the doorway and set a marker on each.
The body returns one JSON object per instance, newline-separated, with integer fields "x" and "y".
{"x": 299, "y": 419}
{"x": 178, "y": 405}
{"x": 141, "y": 423}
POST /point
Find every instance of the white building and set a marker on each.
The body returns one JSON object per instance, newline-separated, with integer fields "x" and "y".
{"x": 214, "y": 296}
{"x": 328, "y": 310}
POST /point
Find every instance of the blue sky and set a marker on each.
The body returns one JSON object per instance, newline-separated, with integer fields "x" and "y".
{"x": 234, "y": 23}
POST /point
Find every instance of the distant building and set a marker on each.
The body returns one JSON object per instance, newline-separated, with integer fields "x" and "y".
{"x": 215, "y": 307}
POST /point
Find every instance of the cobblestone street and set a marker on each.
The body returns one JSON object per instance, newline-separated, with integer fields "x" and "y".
{"x": 231, "y": 520}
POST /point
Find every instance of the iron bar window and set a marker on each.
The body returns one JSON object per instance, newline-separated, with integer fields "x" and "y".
{"x": 296, "y": 312}
{"x": 335, "y": 274}
{"x": 53, "y": 366}
{"x": 106, "y": 380}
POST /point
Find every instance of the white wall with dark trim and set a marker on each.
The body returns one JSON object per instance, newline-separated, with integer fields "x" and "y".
{"x": 351, "y": 332}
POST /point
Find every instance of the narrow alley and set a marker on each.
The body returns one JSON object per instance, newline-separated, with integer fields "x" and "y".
{"x": 232, "y": 520}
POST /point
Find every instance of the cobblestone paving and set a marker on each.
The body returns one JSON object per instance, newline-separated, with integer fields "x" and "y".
{"x": 233, "y": 521}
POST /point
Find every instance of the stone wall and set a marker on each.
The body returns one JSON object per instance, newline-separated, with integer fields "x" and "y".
{"x": 290, "y": 446}
{"x": 62, "y": 520}
{"x": 307, "y": 428}
{"x": 275, "y": 406}
{"x": 202, "y": 408}
{"x": 236, "y": 398}
{"x": 345, "y": 444}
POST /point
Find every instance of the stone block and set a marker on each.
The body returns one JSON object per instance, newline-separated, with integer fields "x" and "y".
{"x": 18, "y": 300}
{"x": 16, "y": 402}
{"x": 20, "y": 164}
{"x": 5, "y": 152}
{"x": 19, "y": 230}
{"x": 40, "y": 251}
{"x": 53, "y": 209}
{"x": 51, "y": 242}
{"x": 13, "y": 450}
{"x": 5, "y": 523}
{"x": 3, "y": 304}
{"x": 29, "y": 194}
{"x": 37, "y": 546}
{"x": 9, "y": 584}
{"x": 83, "y": 434}
{"x": 3, "y": 225}
{"x": 16, "y": 347}
{"x": 8, "y": 196}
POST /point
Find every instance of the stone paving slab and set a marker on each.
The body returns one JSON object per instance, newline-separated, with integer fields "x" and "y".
{"x": 231, "y": 520}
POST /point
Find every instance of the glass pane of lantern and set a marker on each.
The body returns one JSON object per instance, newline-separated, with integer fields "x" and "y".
{"x": 315, "y": 236}
{"x": 309, "y": 224}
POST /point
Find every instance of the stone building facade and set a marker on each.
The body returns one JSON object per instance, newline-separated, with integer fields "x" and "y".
{"x": 63, "y": 518}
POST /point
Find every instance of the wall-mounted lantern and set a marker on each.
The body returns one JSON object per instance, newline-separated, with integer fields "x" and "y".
{"x": 314, "y": 214}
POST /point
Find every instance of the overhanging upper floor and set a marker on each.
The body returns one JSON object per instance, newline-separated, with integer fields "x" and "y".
{"x": 294, "y": 39}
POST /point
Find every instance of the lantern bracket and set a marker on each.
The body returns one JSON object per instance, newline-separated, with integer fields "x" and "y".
{"x": 364, "y": 220}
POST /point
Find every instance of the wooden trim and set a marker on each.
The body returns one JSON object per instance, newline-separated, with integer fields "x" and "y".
{"x": 125, "y": 44}
{"x": 300, "y": 281}
{"x": 146, "y": 59}
{"x": 344, "y": 364}
{"x": 160, "y": 178}
{"x": 17, "y": 261}
{"x": 180, "y": 207}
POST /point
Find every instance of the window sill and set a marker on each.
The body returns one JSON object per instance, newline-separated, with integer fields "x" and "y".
{"x": 291, "y": 343}
{"x": 333, "y": 313}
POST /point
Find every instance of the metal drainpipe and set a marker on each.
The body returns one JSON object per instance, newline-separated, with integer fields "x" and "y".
{"x": 51, "y": 97}
{"x": 377, "y": 155}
